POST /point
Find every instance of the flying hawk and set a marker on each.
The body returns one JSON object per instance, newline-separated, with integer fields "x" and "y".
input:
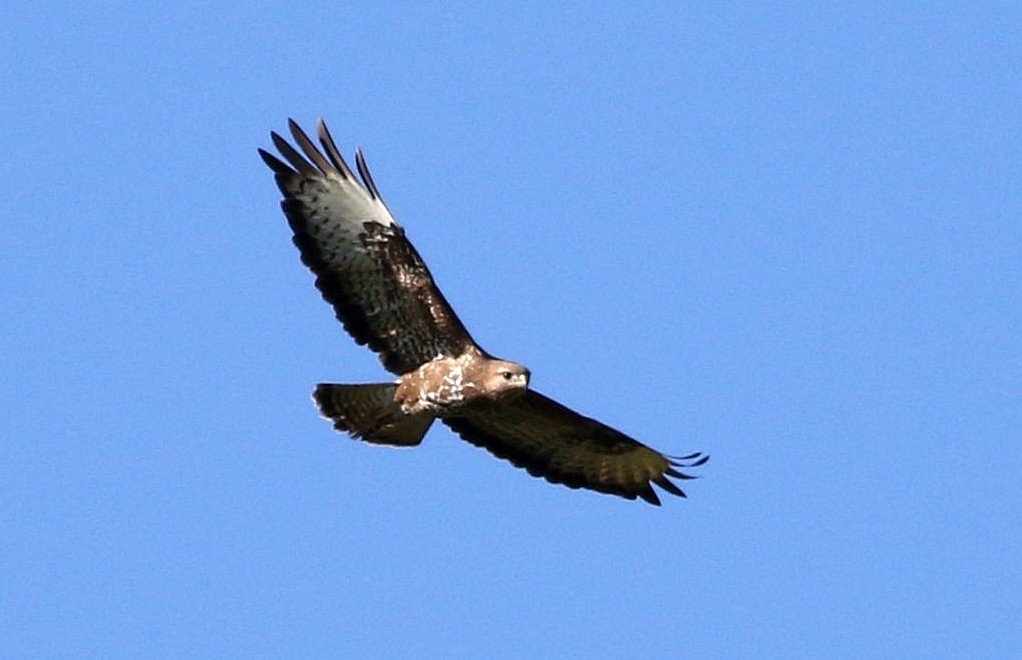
{"x": 386, "y": 298}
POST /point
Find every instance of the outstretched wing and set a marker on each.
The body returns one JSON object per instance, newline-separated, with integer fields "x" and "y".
{"x": 365, "y": 267}
{"x": 560, "y": 445}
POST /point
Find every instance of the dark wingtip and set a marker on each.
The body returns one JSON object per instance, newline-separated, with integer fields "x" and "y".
{"x": 274, "y": 163}
{"x": 278, "y": 140}
{"x": 332, "y": 152}
{"x": 367, "y": 178}
{"x": 697, "y": 457}
{"x": 649, "y": 495}
{"x": 297, "y": 161}
{"x": 669, "y": 486}
{"x": 693, "y": 460}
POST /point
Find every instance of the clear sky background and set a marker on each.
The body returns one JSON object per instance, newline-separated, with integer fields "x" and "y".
{"x": 786, "y": 235}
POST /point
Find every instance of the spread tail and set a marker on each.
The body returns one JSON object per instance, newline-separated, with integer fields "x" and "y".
{"x": 369, "y": 412}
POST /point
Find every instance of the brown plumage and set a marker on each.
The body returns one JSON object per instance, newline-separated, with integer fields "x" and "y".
{"x": 383, "y": 293}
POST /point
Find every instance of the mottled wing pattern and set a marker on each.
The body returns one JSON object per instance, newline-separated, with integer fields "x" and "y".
{"x": 365, "y": 267}
{"x": 554, "y": 442}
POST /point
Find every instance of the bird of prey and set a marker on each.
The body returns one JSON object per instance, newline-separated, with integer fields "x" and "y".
{"x": 386, "y": 299}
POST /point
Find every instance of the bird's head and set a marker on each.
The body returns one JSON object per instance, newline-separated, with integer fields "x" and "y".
{"x": 503, "y": 378}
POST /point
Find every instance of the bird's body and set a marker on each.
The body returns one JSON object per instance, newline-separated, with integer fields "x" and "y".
{"x": 383, "y": 293}
{"x": 445, "y": 385}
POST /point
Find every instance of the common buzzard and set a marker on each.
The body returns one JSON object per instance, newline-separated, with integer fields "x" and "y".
{"x": 386, "y": 298}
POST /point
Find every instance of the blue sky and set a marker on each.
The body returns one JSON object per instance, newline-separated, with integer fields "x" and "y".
{"x": 786, "y": 235}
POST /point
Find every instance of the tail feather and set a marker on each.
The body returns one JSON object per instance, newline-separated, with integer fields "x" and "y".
{"x": 369, "y": 412}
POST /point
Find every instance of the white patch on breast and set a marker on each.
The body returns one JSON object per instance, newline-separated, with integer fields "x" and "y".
{"x": 454, "y": 377}
{"x": 452, "y": 390}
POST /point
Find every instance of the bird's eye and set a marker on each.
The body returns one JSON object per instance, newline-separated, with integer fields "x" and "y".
{"x": 507, "y": 375}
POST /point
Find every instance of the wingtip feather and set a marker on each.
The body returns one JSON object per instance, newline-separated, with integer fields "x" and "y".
{"x": 274, "y": 163}
{"x": 367, "y": 178}
{"x": 302, "y": 140}
{"x": 332, "y": 152}
{"x": 649, "y": 495}
{"x": 669, "y": 486}
{"x": 289, "y": 153}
